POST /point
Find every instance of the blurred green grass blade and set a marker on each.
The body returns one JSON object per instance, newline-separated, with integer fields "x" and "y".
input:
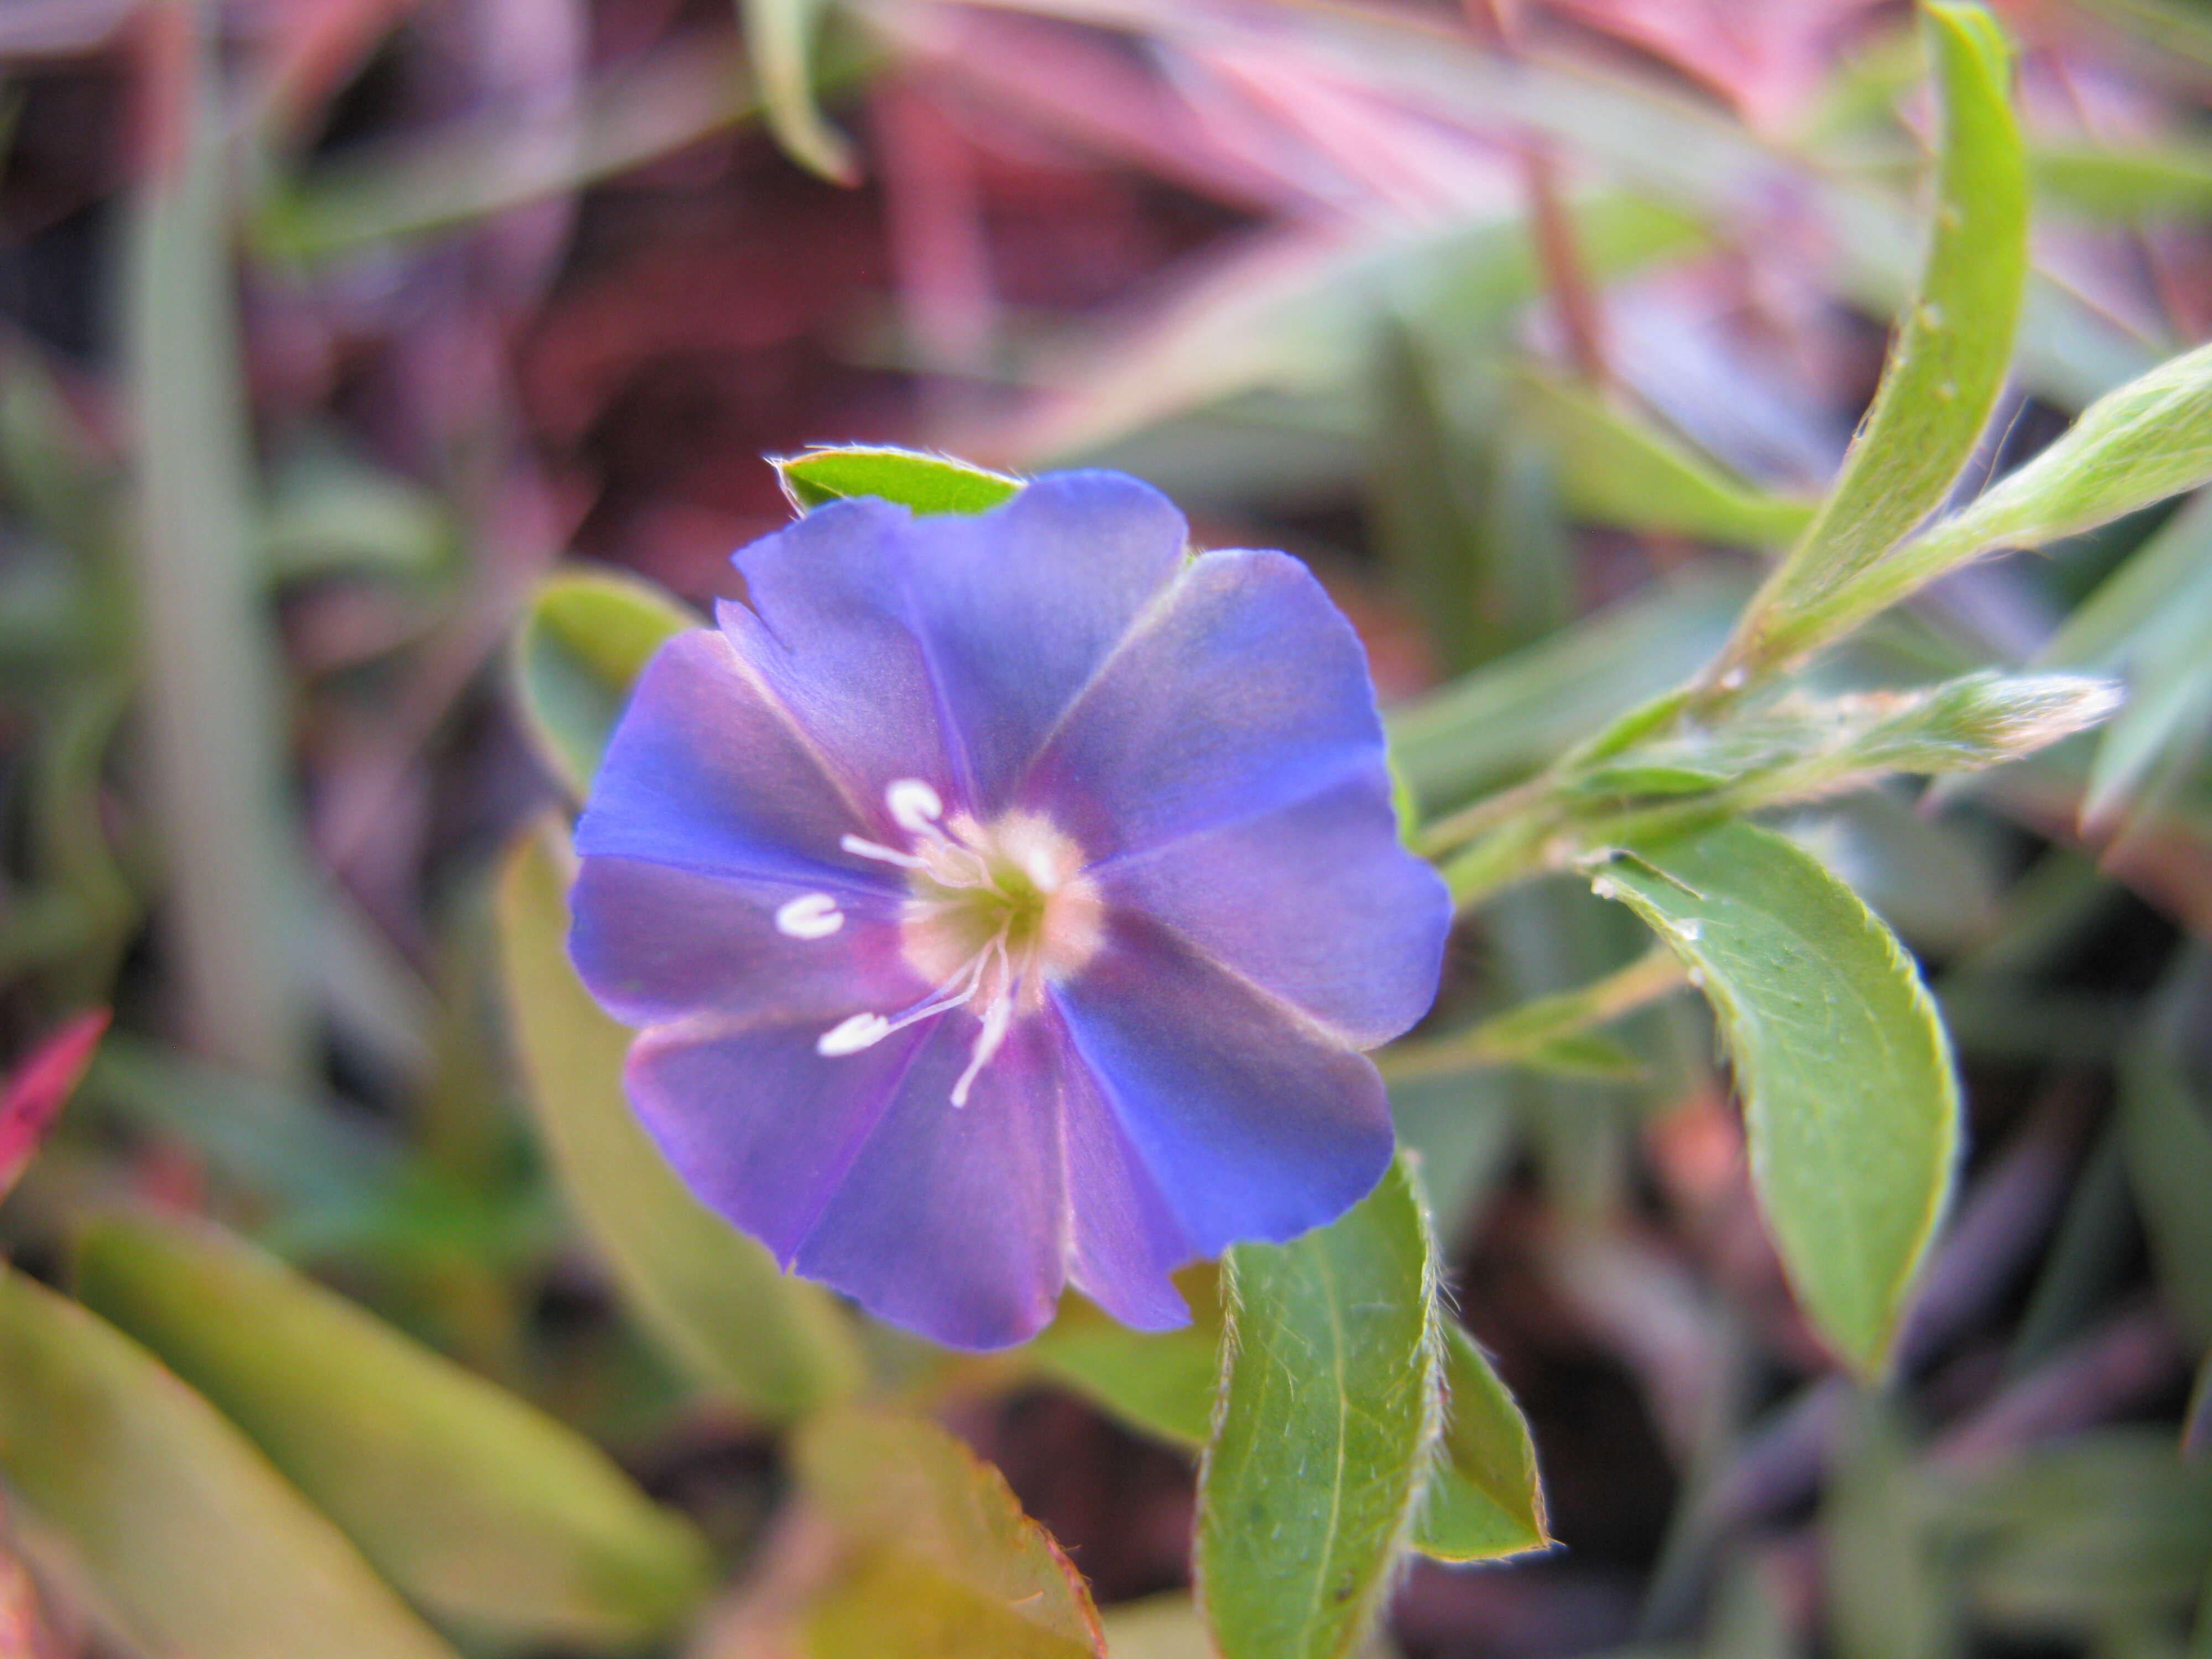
{"x": 2074, "y": 1538}
{"x": 212, "y": 678}
{"x": 1462, "y": 503}
{"x": 1484, "y": 1501}
{"x": 940, "y": 1559}
{"x": 484, "y": 1512}
{"x": 267, "y": 1143}
{"x": 585, "y": 637}
{"x": 1159, "y": 1383}
{"x": 1321, "y": 1443}
{"x": 1949, "y": 362}
{"x": 1889, "y": 1597}
{"x": 1515, "y": 715}
{"x": 923, "y": 483}
{"x": 182, "y": 1527}
{"x": 1619, "y": 469}
{"x": 1850, "y": 1105}
{"x": 332, "y": 514}
{"x": 713, "y": 1297}
{"x": 2167, "y": 1138}
{"x": 779, "y": 39}
{"x": 424, "y": 182}
{"x": 2173, "y": 178}
{"x": 1301, "y": 312}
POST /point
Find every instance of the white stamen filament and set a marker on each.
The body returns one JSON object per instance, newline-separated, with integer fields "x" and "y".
{"x": 1018, "y": 877}
{"x": 811, "y": 915}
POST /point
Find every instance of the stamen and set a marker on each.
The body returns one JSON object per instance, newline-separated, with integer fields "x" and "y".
{"x": 996, "y": 1018}
{"x": 811, "y": 915}
{"x": 914, "y": 805}
{"x": 870, "y": 850}
{"x": 850, "y": 1037}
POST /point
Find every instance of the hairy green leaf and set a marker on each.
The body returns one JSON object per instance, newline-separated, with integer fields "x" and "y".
{"x": 2131, "y": 448}
{"x": 1849, "y": 1103}
{"x": 1325, "y": 1430}
{"x": 182, "y": 1527}
{"x": 713, "y": 1297}
{"x": 926, "y": 483}
{"x": 940, "y": 1563}
{"x": 1948, "y": 364}
{"x": 1484, "y": 1500}
{"x": 584, "y": 639}
{"x": 484, "y": 1511}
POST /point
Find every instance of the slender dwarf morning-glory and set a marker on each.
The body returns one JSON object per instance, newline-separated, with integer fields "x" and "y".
{"x": 1004, "y": 901}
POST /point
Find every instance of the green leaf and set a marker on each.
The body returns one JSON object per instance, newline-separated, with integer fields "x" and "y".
{"x": 1484, "y": 1500}
{"x": 1617, "y": 468}
{"x": 779, "y": 37}
{"x": 533, "y": 1532}
{"x": 1326, "y": 1428}
{"x": 926, "y": 483}
{"x": 1949, "y": 362}
{"x": 584, "y": 639}
{"x": 1160, "y": 1383}
{"x": 330, "y": 514}
{"x": 2167, "y": 1139}
{"x": 182, "y": 1527}
{"x": 712, "y": 1296}
{"x": 941, "y": 1562}
{"x": 1849, "y": 1103}
{"x": 2131, "y": 449}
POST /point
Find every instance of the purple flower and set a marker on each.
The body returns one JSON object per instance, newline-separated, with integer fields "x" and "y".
{"x": 1004, "y": 900}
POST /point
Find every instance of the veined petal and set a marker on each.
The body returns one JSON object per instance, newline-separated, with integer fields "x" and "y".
{"x": 1123, "y": 1241}
{"x": 947, "y": 1219}
{"x": 760, "y": 1125}
{"x": 1020, "y": 606}
{"x": 1243, "y": 690}
{"x": 829, "y": 633}
{"x": 1253, "y": 1121}
{"x": 655, "y": 943}
{"x": 1317, "y": 902}
{"x": 707, "y": 773}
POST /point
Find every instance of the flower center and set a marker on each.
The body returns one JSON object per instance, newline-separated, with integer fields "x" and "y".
{"x": 994, "y": 913}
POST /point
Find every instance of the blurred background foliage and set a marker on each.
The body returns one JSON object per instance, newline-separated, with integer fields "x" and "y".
{"x": 329, "y": 328}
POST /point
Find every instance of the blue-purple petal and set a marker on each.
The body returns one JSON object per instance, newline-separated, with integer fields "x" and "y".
{"x": 708, "y": 772}
{"x": 829, "y": 629}
{"x": 1020, "y": 606}
{"x": 1316, "y": 902}
{"x": 655, "y": 943}
{"x": 1253, "y": 1121}
{"x": 1243, "y": 690}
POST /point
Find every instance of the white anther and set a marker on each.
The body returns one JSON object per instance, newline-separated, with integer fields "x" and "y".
{"x": 872, "y": 849}
{"x": 811, "y": 915}
{"x": 851, "y": 1036}
{"x": 996, "y": 1018}
{"x": 914, "y": 805}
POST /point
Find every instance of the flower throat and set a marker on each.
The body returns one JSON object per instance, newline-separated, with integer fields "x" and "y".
{"x": 994, "y": 913}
